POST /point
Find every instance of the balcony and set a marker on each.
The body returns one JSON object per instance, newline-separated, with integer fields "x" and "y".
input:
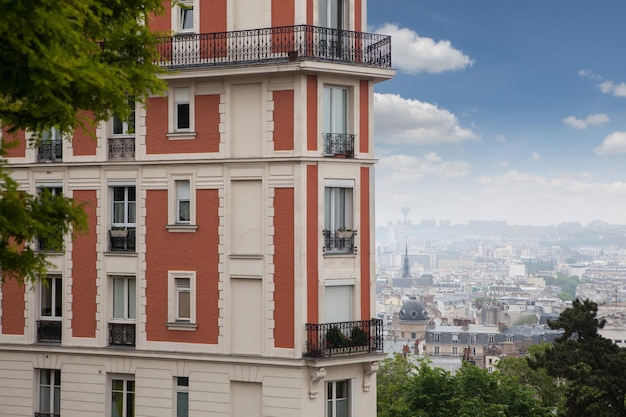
{"x": 122, "y": 149}
{"x": 344, "y": 338}
{"x": 122, "y": 240}
{"x": 339, "y": 241}
{"x": 50, "y": 151}
{"x": 339, "y": 144}
{"x": 276, "y": 44}
{"x": 122, "y": 334}
{"x": 49, "y": 331}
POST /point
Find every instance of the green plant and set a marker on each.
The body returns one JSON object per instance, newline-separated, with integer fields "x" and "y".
{"x": 335, "y": 338}
{"x": 359, "y": 337}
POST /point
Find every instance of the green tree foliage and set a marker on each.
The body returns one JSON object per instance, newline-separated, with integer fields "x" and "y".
{"x": 60, "y": 59}
{"x": 405, "y": 390}
{"x": 592, "y": 368}
{"x": 567, "y": 284}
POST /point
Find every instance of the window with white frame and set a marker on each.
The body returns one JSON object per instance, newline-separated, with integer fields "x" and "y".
{"x": 182, "y": 396}
{"x": 185, "y": 17}
{"x": 124, "y": 126}
{"x": 124, "y": 206}
{"x": 124, "y": 298}
{"x": 335, "y": 109}
{"x": 182, "y": 109}
{"x": 122, "y": 397}
{"x": 332, "y": 14}
{"x": 49, "y": 401}
{"x": 338, "y": 205}
{"x": 455, "y": 338}
{"x": 51, "y": 297}
{"x": 182, "y": 306}
{"x": 455, "y": 350}
{"x": 338, "y": 399}
{"x": 436, "y": 337}
{"x": 437, "y": 350}
{"x": 183, "y": 201}
{"x": 50, "y": 146}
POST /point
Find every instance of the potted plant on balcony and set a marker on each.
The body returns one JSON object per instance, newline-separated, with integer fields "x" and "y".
{"x": 343, "y": 233}
{"x": 335, "y": 338}
{"x": 359, "y": 337}
{"x": 119, "y": 231}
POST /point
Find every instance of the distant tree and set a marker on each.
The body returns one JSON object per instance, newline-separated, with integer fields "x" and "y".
{"x": 64, "y": 64}
{"x": 526, "y": 319}
{"x": 592, "y": 368}
{"x": 567, "y": 284}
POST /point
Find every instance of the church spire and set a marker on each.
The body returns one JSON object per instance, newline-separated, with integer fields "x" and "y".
{"x": 406, "y": 272}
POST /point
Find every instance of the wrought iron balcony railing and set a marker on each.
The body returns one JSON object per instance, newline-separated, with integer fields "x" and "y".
{"x": 339, "y": 144}
{"x": 339, "y": 241}
{"x": 344, "y": 338}
{"x": 50, "y": 151}
{"x": 122, "y": 240}
{"x": 121, "y": 149}
{"x": 122, "y": 334}
{"x": 276, "y": 44}
{"x": 49, "y": 331}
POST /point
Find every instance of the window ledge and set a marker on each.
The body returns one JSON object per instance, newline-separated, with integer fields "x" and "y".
{"x": 181, "y": 135}
{"x": 181, "y": 227}
{"x": 121, "y": 253}
{"x": 335, "y": 254}
{"x": 189, "y": 327}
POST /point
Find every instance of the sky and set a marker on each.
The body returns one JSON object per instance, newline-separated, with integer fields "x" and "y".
{"x": 502, "y": 110}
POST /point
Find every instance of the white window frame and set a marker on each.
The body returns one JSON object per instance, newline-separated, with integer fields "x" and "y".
{"x": 126, "y": 204}
{"x": 125, "y": 392}
{"x": 174, "y": 321}
{"x": 436, "y": 337}
{"x": 125, "y": 123}
{"x": 455, "y": 338}
{"x": 436, "y": 351}
{"x": 325, "y": 14}
{"x": 174, "y": 224}
{"x": 181, "y": 385}
{"x": 181, "y": 97}
{"x": 336, "y": 100}
{"x": 182, "y": 188}
{"x": 53, "y": 404}
{"x": 338, "y": 193}
{"x": 189, "y": 6}
{"x": 332, "y": 400}
{"x": 55, "y": 283}
{"x": 455, "y": 350}
{"x": 128, "y": 314}
{"x": 176, "y": 97}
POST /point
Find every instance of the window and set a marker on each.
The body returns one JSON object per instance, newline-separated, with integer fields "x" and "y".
{"x": 51, "y": 298}
{"x": 335, "y": 110}
{"x": 332, "y": 14}
{"x": 491, "y": 339}
{"x": 49, "y": 402}
{"x": 185, "y": 22}
{"x": 125, "y": 127}
{"x": 472, "y": 338}
{"x": 455, "y": 338}
{"x": 436, "y": 337}
{"x": 338, "y": 399}
{"x": 124, "y": 207}
{"x": 455, "y": 350}
{"x": 181, "y": 109}
{"x": 413, "y": 335}
{"x": 182, "y": 396}
{"x": 436, "y": 350}
{"x": 51, "y": 146}
{"x": 183, "y": 201}
{"x": 49, "y": 242}
{"x": 124, "y": 298}
{"x": 122, "y": 397}
{"x": 338, "y": 201}
{"x": 182, "y": 300}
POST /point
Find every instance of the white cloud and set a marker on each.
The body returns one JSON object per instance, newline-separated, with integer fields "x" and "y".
{"x": 396, "y": 170}
{"x": 587, "y": 73}
{"x": 591, "y": 120}
{"x": 406, "y": 121}
{"x": 615, "y": 143}
{"x": 608, "y": 87}
{"x": 500, "y": 139}
{"x": 413, "y": 54}
{"x": 535, "y": 156}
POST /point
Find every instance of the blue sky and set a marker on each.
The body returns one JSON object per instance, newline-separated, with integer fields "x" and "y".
{"x": 502, "y": 110}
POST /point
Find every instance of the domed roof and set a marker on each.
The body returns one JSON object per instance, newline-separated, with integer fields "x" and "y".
{"x": 412, "y": 310}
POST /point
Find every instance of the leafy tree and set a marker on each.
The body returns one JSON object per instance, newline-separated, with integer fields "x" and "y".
{"x": 60, "y": 59}
{"x": 392, "y": 378}
{"x": 592, "y": 368}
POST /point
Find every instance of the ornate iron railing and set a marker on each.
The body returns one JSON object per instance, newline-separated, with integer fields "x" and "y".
{"x": 122, "y": 334}
{"x": 49, "y": 331}
{"x": 122, "y": 149}
{"x": 50, "y": 151}
{"x": 339, "y": 144}
{"x": 339, "y": 241}
{"x": 122, "y": 240}
{"x": 276, "y": 44}
{"x": 344, "y": 338}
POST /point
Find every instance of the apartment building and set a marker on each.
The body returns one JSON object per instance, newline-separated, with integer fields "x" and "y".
{"x": 228, "y": 269}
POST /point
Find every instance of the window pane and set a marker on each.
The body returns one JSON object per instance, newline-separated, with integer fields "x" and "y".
{"x": 58, "y": 298}
{"x": 342, "y": 389}
{"x": 46, "y": 298}
{"x": 57, "y": 399}
{"x": 118, "y": 125}
{"x": 342, "y": 408}
{"x": 118, "y": 298}
{"x": 327, "y": 110}
{"x": 182, "y": 115}
{"x": 132, "y": 299}
{"x": 184, "y": 305}
{"x": 186, "y": 18}
{"x": 131, "y": 212}
{"x": 182, "y": 381}
{"x": 184, "y": 214}
{"x": 340, "y": 109}
{"x": 44, "y": 399}
{"x": 182, "y": 404}
{"x": 182, "y": 190}
{"x": 117, "y": 404}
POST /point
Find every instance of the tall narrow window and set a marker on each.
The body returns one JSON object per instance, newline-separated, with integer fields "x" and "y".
{"x": 186, "y": 16}
{"x": 332, "y": 14}
{"x": 183, "y": 201}
{"x": 338, "y": 399}
{"x": 124, "y": 298}
{"x": 182, "y": 397}
{"x": 181, "y": 109}
{"x": 183, "y": 299}
{"x": 338, "y": 210}
{"x": 122, "y": 398}
{"x": 125, "y": 126}
{"x": 49, "y": 403}
{"x": 51, "y": 146}
{"x": 124, "y": 206}
{"x": 51, "y": 298}
{"x": 335, "y": 110}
